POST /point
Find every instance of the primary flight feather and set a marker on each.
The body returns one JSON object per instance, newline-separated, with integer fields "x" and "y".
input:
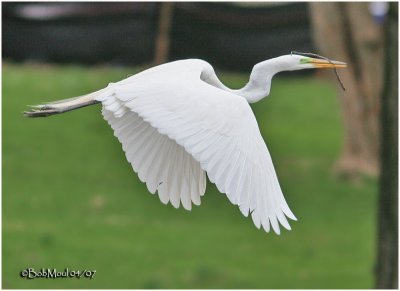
{"x": 177, "y": 121}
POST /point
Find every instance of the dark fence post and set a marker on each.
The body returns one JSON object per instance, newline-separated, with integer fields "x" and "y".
{"x": 387, "y": 260}
{"x": 163, "y": 35}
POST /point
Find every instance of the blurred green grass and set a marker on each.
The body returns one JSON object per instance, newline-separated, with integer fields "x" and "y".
{"x": 70, "y": 199}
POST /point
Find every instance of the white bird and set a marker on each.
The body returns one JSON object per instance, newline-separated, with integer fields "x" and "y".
{"x": 177, "y": 121}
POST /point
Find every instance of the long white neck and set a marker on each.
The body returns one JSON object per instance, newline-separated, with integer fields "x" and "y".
{"x": 259, "y": 83}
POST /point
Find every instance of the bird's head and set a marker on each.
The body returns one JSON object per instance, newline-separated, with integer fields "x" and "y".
{"x": 300, "y": 61}
{"x": 261, "y": 76}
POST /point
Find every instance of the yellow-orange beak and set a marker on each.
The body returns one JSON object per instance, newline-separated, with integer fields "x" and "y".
{"x": 321, "y": 63}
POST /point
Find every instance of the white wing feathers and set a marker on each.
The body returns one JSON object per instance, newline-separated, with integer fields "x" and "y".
{"x": 159, "y": 161}
{"x": 173, "y": 126}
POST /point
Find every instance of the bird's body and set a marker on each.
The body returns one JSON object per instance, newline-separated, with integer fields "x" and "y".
{"x": 177, "y": 122}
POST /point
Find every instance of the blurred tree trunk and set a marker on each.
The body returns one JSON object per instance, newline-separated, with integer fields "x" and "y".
{"x": 346, "y": 31}
{"x": 163, "y": 34}
{"x": 387, "y": 260}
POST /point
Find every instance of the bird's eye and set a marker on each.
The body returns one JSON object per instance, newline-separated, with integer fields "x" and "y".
{"x": 304, "y": 61}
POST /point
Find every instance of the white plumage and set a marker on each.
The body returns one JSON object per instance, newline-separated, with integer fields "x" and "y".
{"x": 177, "y": 121}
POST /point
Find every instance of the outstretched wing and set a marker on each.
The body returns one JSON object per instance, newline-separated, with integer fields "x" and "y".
{"x": 159, "y": 161}
{"x": 216, "y": 128}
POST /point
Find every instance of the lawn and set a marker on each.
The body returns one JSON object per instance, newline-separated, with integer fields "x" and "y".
{"x": 71, "y": 200}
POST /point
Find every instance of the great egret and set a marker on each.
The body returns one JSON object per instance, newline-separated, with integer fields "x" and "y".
{"x": 177, "y": 121}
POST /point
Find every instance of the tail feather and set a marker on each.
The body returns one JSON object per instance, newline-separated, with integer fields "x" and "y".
{"x": 61, "y": 106}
